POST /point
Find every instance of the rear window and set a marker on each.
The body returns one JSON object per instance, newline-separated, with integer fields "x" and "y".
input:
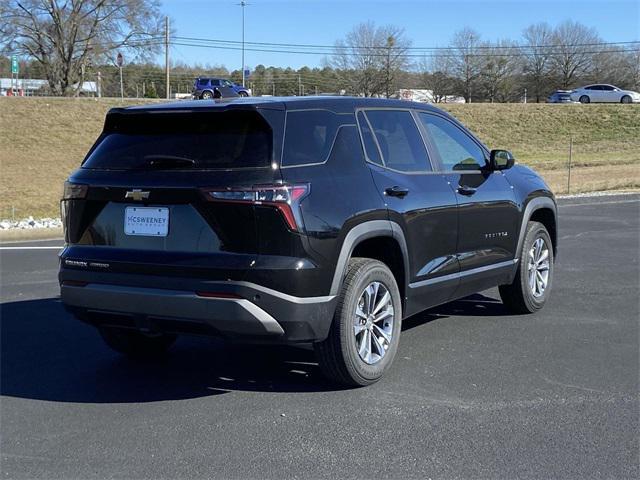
{"x": 206, "y": 140}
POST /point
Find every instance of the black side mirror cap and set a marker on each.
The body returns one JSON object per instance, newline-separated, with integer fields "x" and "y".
{"x": 501, "y": 160}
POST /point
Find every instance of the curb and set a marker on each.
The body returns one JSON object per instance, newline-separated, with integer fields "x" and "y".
{"x": 27, "y": 234}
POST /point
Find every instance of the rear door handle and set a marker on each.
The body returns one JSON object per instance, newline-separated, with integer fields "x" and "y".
{"x": 464, "y": 190}
{"x": 396, "y": 191}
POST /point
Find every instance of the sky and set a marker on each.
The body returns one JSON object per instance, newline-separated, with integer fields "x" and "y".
{"x": 427, "y": 23}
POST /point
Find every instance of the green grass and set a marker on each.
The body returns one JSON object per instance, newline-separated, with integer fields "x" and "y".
{"x": 44, "y": 139}
{"x": 539, "y": 134}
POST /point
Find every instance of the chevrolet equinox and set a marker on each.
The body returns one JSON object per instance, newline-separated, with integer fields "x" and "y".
{"x": 296, "y": 220}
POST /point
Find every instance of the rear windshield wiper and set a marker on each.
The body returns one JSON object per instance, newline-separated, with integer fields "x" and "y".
{"x": 168, "y": 161}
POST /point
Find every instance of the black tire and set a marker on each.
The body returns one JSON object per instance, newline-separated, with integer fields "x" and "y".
{"x": 626, "y": 99}
{"x": 519, "y": 296}
{"x": 243, "y": 94}
{"x": 136, "y": 344}
{"x": 585, "y": 99}
{"x": 338, "y": 354}
{"x": 206, "y": 95}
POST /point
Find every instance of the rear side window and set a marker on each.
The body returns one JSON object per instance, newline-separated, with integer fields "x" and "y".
{"x": 202, "y": 140}
{"x": 399, "y": 139}
{"x": 456, "y": 149}
{"x": 370, "y": 146}
{"x": 309, "y": 135}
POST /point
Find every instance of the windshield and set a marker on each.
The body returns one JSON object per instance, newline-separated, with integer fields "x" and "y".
{"x": 218, "y": 140}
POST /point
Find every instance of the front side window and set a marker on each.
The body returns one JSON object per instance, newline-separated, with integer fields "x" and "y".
{"x": 400, "y": 142}
{"x": 456, "y": 149}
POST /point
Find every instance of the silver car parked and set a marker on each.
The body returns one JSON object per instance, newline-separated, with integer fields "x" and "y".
{"x": 603, "y": 93}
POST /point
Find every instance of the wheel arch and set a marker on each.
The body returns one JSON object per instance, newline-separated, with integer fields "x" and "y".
{"x": 543, "y": 210}
{"x": 381, "y": 240}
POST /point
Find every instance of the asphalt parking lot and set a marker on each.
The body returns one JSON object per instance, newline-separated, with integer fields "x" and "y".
{"x": 474, "y": 392}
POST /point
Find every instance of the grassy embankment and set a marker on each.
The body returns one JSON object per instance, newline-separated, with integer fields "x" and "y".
{"x": 43, "y": 139}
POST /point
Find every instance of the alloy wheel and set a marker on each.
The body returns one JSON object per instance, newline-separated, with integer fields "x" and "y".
{"x": 373, "y": 323}
{"x": 538, "y": 267}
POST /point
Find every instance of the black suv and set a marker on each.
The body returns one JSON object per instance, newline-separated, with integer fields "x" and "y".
{"x": 296, "y": 220}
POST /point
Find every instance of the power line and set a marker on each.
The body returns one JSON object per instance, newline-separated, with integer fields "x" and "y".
{"x": 404, "y": 55}
{"x": 383, "y": 47}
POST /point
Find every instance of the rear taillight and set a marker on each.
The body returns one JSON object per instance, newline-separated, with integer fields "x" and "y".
{"x": 285, "y": 198}
{"x": 73, "y": 191}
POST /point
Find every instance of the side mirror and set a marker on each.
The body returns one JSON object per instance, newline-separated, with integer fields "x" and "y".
{"x": 501, "y": 160}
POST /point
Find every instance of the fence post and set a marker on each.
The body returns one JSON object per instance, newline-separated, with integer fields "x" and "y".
{"x": 570, "y": 158}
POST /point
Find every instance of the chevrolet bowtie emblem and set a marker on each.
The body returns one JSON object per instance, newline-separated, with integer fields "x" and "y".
{"x": 136, "y": 194}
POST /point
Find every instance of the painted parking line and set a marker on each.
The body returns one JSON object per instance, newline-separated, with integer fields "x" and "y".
{"x": 32, "y": 248}
{"x": 611, "y": 202}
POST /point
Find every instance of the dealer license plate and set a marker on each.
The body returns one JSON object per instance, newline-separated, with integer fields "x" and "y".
{"x": 146, "y": 221}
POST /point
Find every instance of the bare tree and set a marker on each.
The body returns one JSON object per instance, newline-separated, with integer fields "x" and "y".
{"x": 537, "y": 59}
{"x": 499, "y": 66}
{"x": 66, "y": 37}
{"x": 466, "y": 60}
{"x": 632, "y": 68}
{"x": 373, "y": 56}
{"x": 436, "y": 74}
{"x": 574, "y": 45}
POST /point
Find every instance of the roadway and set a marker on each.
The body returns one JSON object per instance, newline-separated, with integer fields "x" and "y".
{"x": 474, "y": 392}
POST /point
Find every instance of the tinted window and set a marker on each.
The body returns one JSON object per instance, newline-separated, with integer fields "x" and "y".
{"x": 399, "y": 139}
{"x": 608, "y": 88}
{"x": 370, "y": 146}
{"x": 456, "y": 149}
{"x": 203, "y": 81}
{"x": 232, "y": 139}
{"x": 308, "y": 136}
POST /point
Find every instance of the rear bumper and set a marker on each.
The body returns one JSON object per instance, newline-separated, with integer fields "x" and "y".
{"x": 239, "y": 310}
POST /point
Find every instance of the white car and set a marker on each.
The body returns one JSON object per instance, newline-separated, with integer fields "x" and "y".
{"x": 603, "y": 93}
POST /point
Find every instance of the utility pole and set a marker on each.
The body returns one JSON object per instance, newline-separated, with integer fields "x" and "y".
{"x": 243, "y": 4}
{"x": 387, "y": 86}
{"x": 99, "y": 86}
{"x": 166, "y": 54}
{"x": 299, "y": 86}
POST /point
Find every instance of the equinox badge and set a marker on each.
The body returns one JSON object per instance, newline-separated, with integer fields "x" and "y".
{"x": 136, "y": 194}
